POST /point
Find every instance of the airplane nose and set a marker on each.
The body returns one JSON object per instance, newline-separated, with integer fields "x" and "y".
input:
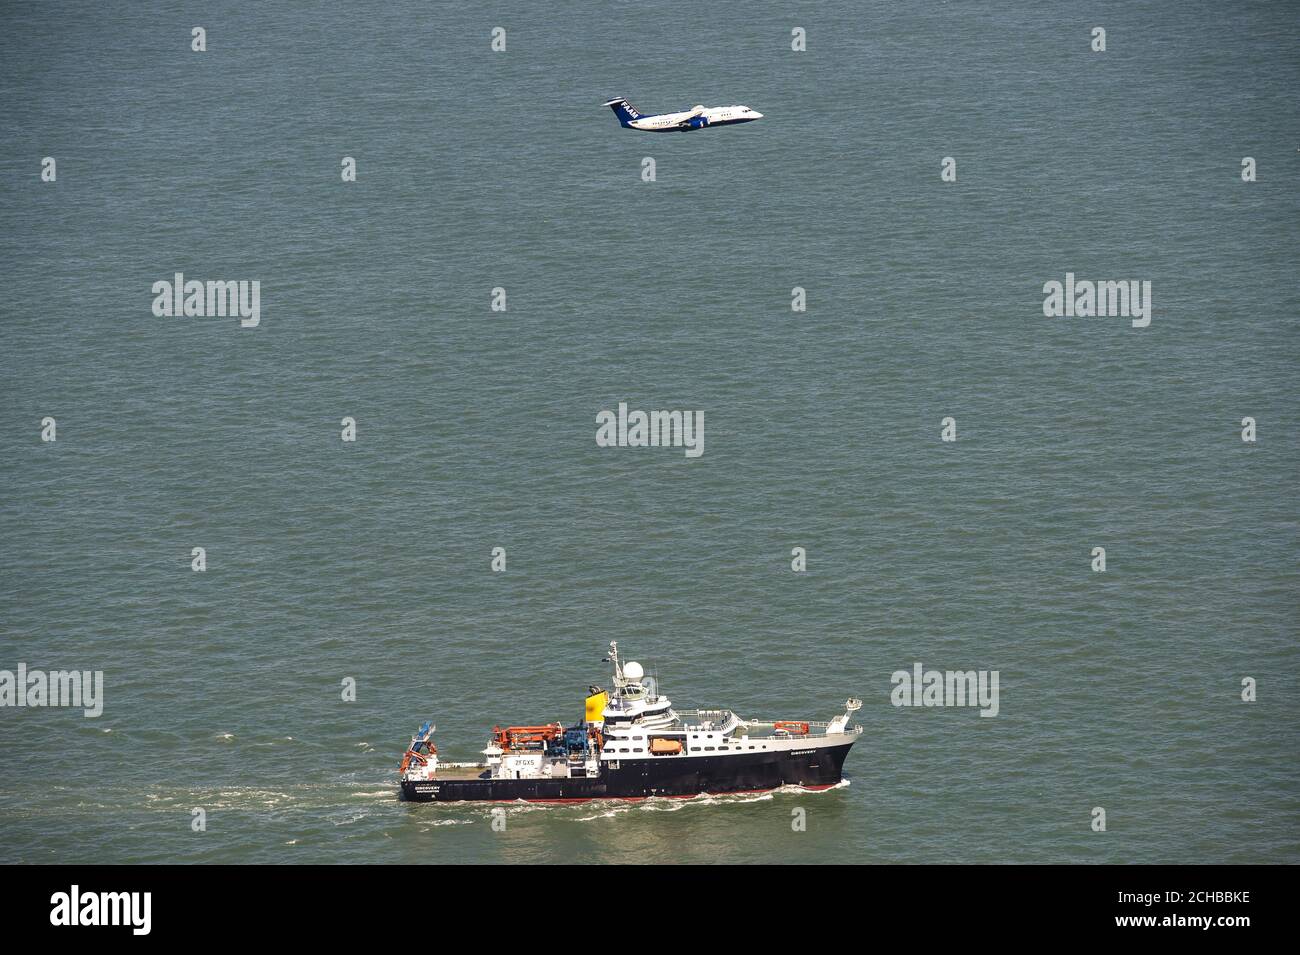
{"x": 756, "y": 114}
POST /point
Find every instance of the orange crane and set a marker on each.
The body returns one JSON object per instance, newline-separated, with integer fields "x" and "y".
{"x": 516, "y": 737}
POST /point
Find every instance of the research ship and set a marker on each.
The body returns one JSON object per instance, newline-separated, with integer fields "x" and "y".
{"x": 632, "y": 744}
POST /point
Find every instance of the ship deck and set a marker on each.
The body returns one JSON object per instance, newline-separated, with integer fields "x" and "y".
{"x": 459, "y": 772}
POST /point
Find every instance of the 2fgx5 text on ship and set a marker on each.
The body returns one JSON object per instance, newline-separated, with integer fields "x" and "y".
{"x": 632, "y": 744}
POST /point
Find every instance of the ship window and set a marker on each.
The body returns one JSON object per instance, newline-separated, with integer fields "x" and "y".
{"x": 623, "y": 750}
{"x": 722, "y": 749}
{"x": 709, "y": 749}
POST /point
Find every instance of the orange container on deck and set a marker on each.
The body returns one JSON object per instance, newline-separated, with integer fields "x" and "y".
{"x": 793, "y": 727}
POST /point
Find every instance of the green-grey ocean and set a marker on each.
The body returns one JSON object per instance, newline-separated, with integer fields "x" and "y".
{"x": 368, "y": 563}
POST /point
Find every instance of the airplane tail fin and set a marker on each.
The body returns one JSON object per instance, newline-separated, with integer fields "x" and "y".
{"x": 624, "y": 110}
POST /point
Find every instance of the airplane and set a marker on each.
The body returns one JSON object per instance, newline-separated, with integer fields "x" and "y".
{"x": 698, "y": 118}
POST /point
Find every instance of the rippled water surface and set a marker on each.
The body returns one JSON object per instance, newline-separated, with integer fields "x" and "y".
{"x": 477, "y": 169}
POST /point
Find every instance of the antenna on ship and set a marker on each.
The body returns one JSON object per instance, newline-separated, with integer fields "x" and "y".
{"x": 613, "y": 658}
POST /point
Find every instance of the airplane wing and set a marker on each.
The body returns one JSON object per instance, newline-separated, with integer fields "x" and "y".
{"x": 685, "y": 122}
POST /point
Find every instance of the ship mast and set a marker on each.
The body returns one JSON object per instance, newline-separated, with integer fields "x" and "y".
{"x": 619, "y": 682}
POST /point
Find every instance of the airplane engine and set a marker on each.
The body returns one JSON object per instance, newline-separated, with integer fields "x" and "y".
{"x": 697, "y": 122}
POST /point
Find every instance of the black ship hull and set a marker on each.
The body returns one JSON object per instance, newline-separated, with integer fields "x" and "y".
{"x": 670, "y": 776}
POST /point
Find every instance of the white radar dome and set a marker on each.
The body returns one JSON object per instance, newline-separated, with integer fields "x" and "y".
{"x": 633, "y": 671}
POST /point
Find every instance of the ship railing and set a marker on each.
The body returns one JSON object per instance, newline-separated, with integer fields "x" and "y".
{"x": 726, "y": 720}
{"x": 709, "y": 720}
{"x": 710, "y": 716}
{"x": 847, "y": 731}
{"x": 813, "y": 725}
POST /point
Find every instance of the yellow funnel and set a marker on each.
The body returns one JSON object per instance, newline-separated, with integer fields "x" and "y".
{"x": 596, "y": 704}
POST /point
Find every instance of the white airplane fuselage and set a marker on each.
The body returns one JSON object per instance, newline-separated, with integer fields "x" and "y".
{"x": 701, "y": 117}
